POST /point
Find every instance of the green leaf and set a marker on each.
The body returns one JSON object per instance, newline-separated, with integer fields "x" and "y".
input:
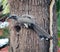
{"x": 59, "y": 43}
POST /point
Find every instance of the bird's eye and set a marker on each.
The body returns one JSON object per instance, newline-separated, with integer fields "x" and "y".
{"x": 29, "y": 17}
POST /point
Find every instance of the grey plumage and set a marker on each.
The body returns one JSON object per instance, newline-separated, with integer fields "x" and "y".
{"x": 29, "y": 23}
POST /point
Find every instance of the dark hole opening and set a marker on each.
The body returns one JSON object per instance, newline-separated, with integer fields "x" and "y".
{"x": 17, "y": 28}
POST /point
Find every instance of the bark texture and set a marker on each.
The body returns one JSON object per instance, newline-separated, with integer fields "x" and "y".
{"x": 27, "y": 40}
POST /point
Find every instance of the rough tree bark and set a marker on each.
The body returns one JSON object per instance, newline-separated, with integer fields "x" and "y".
{"x": 28, "y": 40}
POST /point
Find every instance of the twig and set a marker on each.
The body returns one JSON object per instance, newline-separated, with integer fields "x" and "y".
{"x": 51, "y": 24}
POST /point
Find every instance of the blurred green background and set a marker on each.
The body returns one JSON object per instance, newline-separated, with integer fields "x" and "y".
{"x": 6, "y": 12}
{"x": 58, "y": 19}
{"x": 3, "y": 14}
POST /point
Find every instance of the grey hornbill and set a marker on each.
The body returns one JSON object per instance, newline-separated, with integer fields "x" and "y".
{"x": 28, "y": 22}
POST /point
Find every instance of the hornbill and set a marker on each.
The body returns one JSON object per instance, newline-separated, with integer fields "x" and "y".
{"x": 28, "y": 22}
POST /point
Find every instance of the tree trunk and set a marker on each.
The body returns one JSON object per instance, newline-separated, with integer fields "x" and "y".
{"x": 28, "y": 40}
